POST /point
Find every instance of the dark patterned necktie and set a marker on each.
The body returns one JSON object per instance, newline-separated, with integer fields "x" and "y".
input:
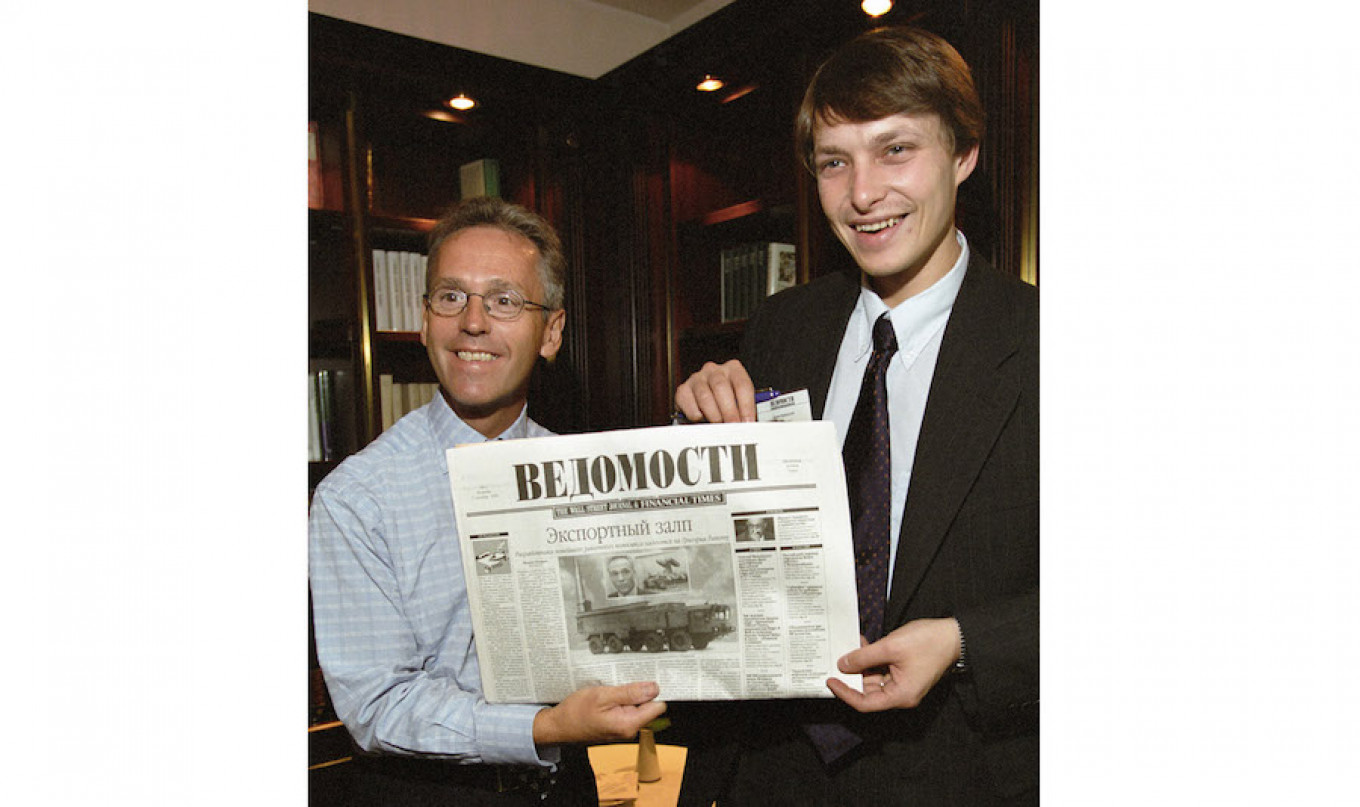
{"x": 868, "y": 478}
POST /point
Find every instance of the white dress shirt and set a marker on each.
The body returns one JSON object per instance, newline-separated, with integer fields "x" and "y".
{"x": 919, "y": 324}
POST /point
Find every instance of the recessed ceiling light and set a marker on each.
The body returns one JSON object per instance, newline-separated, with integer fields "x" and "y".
{"x": 709, "y": 84}
{"x": 876, "y": 8}
{"x": 462, "y": 102}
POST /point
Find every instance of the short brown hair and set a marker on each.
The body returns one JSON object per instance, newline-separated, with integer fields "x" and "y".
{"x": 490, "y": 211}
{"x": 892, "y": 71}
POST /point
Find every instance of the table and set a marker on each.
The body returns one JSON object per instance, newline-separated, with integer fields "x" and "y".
{"x": 614, "y": 762}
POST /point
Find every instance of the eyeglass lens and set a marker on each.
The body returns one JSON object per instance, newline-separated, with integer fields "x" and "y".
{"x": 504, "y": 304}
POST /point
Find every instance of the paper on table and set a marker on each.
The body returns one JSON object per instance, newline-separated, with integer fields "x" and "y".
{"x": 616, "y": 787}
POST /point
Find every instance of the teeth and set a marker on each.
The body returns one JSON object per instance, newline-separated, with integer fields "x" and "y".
{"x": 873, "y": 228}
{"x": 471, "y": 355}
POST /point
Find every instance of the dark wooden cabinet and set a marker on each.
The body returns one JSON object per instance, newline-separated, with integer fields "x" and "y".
{"x": 701, "y": 334}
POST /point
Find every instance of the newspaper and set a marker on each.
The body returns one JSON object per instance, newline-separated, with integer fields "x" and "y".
{"x": 714, "y": 559}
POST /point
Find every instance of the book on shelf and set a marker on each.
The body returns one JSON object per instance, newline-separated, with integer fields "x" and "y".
{"x": 382, "y": 307}
{"x": 403, "y": 320}
{"x": 427, "y": 392}
{"x": 728, "y": 266}
{"x": 329, "y": 427}
{"x": 335, "y": 435}
{"x": 314, "y": 451}
{"x": 752, "y": 281}
{"x": 736, "y": 281}
{"x": 421, "y": 287}
{"x": 385, "y": 405}
{"x": 325, "y": 396}
{"x": 411, "y": 294}
{"x": 405, "y": 284}
{"x": 316, "y": 194}
{"x": 415, "y": 279}
{"x": 398, "y": 399}
{"x": 396, "y": 277}
{"x": 479, "y": 178}
{"x": 781, "y": 267}
{"x": 399, "y": 279}
{"x": 751, "y": 272}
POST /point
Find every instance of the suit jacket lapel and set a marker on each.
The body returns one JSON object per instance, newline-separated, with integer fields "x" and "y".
{"x": 969, "y": 402}
{"x": 826, "y": 333}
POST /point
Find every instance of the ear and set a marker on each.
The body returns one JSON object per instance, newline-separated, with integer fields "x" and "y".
{"x": 425, "y": 325}
{"x": 552, "y": 335}
{"x": 964, "y": 164}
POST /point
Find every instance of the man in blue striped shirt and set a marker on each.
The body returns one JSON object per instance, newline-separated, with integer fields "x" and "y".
{"x": 393, "y": 626}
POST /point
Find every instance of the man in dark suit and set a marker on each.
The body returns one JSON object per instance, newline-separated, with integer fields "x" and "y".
{"x": 890, "y": 126}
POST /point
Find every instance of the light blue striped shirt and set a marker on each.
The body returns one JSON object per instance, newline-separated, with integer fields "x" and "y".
{"x": 393, "y": 626}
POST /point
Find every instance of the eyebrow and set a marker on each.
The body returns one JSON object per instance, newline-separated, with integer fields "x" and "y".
{"x": 880, "y": 139}
{"x": 494, "y": 285}
{"x": 827, "y": 151}
{"x": 894, "y": 134}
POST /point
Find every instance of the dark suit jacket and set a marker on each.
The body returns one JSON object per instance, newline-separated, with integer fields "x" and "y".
{"x": 968, "y": 546}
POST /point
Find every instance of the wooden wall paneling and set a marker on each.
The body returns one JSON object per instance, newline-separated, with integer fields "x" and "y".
{"x": 655, "y": 275}
{"x": 624, "y": 229}
{"x": 1000, "y": 43}
{"x": 559, "y": 396}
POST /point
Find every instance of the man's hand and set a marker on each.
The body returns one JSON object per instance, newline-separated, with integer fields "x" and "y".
{"x": 599, "y": 713}
{"x": 718, "y": 393}
{"x": 900, "y": 668}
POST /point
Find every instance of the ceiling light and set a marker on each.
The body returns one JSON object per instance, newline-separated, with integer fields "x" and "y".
{"x": 876, "y": 8}
{"x": 462, "y": 102}
{"x": 709, "y": 84}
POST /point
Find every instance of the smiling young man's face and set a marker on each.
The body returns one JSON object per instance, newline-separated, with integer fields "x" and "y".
{"x": 483, "y": 364}
{"x": 888, "y": 188}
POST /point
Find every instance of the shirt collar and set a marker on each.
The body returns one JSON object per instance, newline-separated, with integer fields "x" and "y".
{"x": 449, "y": 430}
{"x": 916, "y": 319}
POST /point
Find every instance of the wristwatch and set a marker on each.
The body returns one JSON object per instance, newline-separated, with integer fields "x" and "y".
{"x": 961, "y": 666}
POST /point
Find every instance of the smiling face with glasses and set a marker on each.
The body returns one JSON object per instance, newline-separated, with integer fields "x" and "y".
{"x": 484, "y": 351}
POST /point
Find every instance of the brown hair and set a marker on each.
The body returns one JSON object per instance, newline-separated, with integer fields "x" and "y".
{"x": 493, "y": 212}
{"x": 892, "y": 71}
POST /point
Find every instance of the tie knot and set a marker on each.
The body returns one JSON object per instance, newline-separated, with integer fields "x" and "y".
{"x": 885, "y": 338}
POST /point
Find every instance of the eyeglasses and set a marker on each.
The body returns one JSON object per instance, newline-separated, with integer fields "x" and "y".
{"x": 504, "y": 305}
